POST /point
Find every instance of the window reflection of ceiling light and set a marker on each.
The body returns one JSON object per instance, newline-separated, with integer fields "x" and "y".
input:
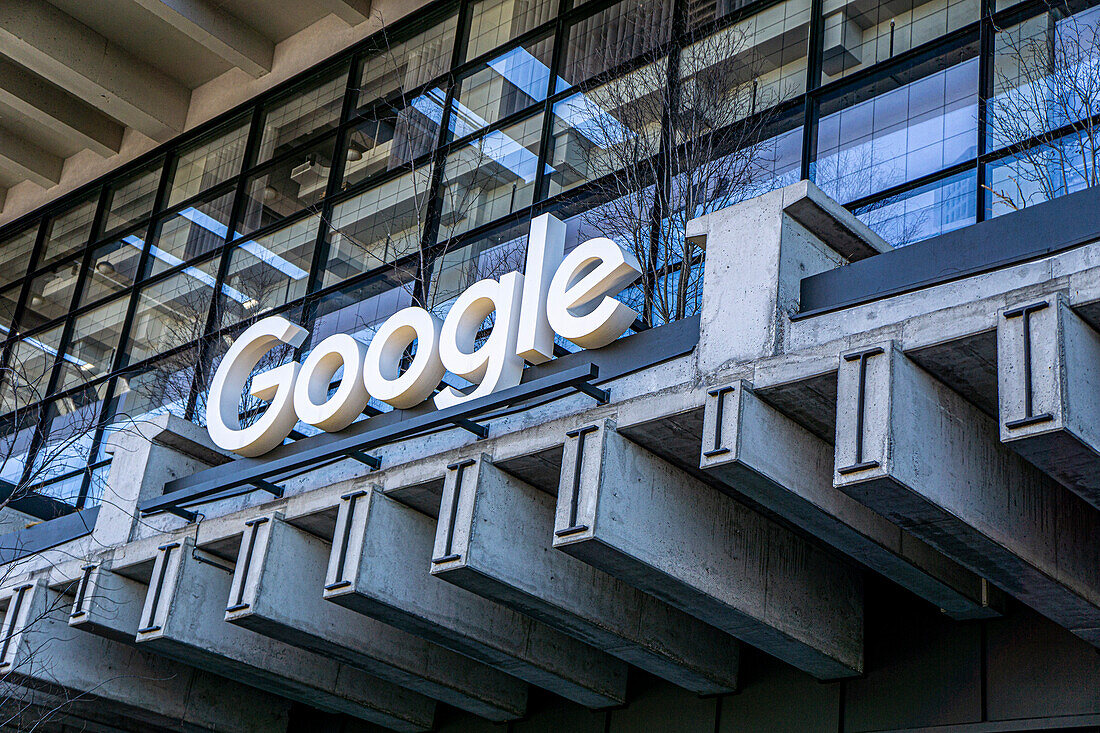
{"x": 253, "y": 248}
{"x": 270, "y": 193}
{"x": 105, "y": 268}
{"x": 355, "y": 154}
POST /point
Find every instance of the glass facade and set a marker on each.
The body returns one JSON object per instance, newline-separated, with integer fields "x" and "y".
{"x": 408, "y": 167}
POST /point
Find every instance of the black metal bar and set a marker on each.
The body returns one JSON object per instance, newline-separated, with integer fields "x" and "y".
{"x": 239, "y": 473}
{"x": 342, "y": 549}
{"x": 253, "y": 529}
{"x": 717, "y": 448}
{"x": 574, "y": 496}
{"x": 1030, "y": 418}
{"x": 263, "y": 484}
{"x": 448, "y": 550}
{"x": 166, "y": 552}
{"x": 861, "y": 399}
{"x": 374, "y": 462}
{"x": 82, "y": 590}
{"x": 13, "y": 613}
{"x": 481, "y": 431}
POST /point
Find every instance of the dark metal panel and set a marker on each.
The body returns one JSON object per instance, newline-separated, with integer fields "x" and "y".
{"x": 1007, "y": 240}
{"x": 30, "y": 541}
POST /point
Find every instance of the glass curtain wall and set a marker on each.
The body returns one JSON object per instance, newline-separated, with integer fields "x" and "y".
{"x": 407, "y": 168}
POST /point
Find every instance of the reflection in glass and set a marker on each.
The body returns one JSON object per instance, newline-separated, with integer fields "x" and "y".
{"x": 614, "y": 36}
{"x": 287, "y": 187}
{"x": 858, "y": 35}
{"x": 377, "y": 227}
{"x": 132, "y": 198}
{"x": 387, "y": 139}
{"x": 360, "y": 310}
{"x": 208, "y": 162}
{"x": 28, "y": 370}
{"x": 8, "y": 300}
{"x": 92, "y": 345}
{"x": 495, "y": 22}
{"x": 51, "y": 294}
{"x": 68, "y": 232}
{"x": 157, "y": 388}
{"x": 490, "y": 177}
{"x": 924, "y": 212}
{"x": 305, "y": 114}
{"x": 1041, "y": 173}
{"x": 70, "y": 429}
{"x": 15, "y": 255}
{"x": 113, "y": 267}
{"x": 191, "y": 232}
{"x": 906, "y": 133}
{"x": 16, "y": 434}
{"x": 493, "y": 255}
{"x": 504, "y": 85}
{"x": 271, "y": 270}
{"x": 402, "y": 66}
{"x": 171, "y": 312}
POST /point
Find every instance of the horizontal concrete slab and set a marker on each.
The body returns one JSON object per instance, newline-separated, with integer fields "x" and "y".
{"x": 277, "y": 591}
{"x": 183, "y": 618}
{"x": 494, "y": 537}
{"x": 767, "y": 457}
{"x": 916, "y": 452}
{"x": 1048, "y": 367}
{"x": 632, "y": 514}
{"x": 40, "y": 651}
{"x": 381, "y": 566}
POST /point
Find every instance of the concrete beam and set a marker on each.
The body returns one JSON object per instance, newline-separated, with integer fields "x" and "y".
{"x": 182, "y": 618}
{"x": 494, "y": 537}
{"x": 227, "y": 37}
{"x": 23, "y": 159}
{"x": 628, "y": 512}
{"x": 1048, "y": 369}
{"x": 39, "y": 651}
{"x": 767, "y": 457}
{"x": 380, "y": 566}
{"x": 54, "y": 109}
{"x": 913, "y": 450}
{"x": 67, "y": 53}
{"x": 276, "y": 592}
{"x": 107, "y": 604}
{"x": 352, "y": 12}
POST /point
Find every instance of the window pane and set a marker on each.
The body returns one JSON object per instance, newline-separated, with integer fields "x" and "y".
{"x": 502, "y": 86}
{"x": 494, "y": 255}
{"x": 15, "y": 255}
{"x": 490, "y": 177}
{"x": 191, "y": 232}
{"x": 93, "y": 343}
{"x": 388, "y": 138}
{"x": 925, "y": 211}
{"x": 8, "y": 300}
{"x": 293, "y": 121}
{"x": 29, "y": 367}
{"x": 51, "y": 294}
{"x": 71, "y": 428}
{"x": 68, "y": 232}
{"x": 113, "y": 267}
{"x": 405, "y": 65}
{"x": 132, "y": 198}
{"x": 157, "y": 388}
{"x": 209, "y": 162}
{"x": 271, "y": 270}
{"x": 360, "y": 310}
{"x": 287, "y": 187}
{"x": 614, "y": 36}
{"x": 603, "y": 130}
{"x": 16, "y": 434}
{"x": 859, "y": 35}
{"x": 494, "y": 22}
{"x": 1040, "y": 173}
{"x": 899, "y": 135}
{"x": 171, "y": 312}
{"x": 1045, "y": 72}
{"x": 377, "y": 226}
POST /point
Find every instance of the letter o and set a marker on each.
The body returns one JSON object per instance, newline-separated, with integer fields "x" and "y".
{"x": 382, "y": 372}
{"x": 311, "y": 400}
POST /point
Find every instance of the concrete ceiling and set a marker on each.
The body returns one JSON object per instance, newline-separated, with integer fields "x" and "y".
{"x": 76, "y": 75}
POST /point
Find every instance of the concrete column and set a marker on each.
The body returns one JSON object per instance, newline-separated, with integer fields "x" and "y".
{"x": 1048, "y": 375}
{"x": 40, "y": 652}
{"x": 277, "y": 591}
{"x": 144, "y": 459}
{"x": 626, "y": 511}
{"x": 913, "y": 450}
{"x": 380, "y": 566}
{"x": 757, "y": 254}
{"x": 763, "y": 455}
{"x": 182, "y": 618}
{"x": 494, "y": 537}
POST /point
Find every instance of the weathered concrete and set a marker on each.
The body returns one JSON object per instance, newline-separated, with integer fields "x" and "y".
{"x": 183, "y": 619}
{"x": 1048, "y": 368}
{"x": 766, "y": 246}
{"x": 107, "y": 604}
{"x": 41, "y": 652}
{"x": 772, "y": 460}
{"x": 282, "y": 571}
{"x": 494, "y": 537}
{"x": 647, "y": 522}
{"x": 380, "y": 566}
{"x": 919, "y": 454}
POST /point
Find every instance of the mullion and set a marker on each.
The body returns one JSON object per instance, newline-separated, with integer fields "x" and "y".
{"x": 542, "y": 180}
{"x": 814, "y": 54}
{"x": 985, "y": 94}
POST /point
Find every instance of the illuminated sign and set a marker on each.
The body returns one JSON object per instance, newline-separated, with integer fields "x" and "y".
{"x": 571, "y": 295}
